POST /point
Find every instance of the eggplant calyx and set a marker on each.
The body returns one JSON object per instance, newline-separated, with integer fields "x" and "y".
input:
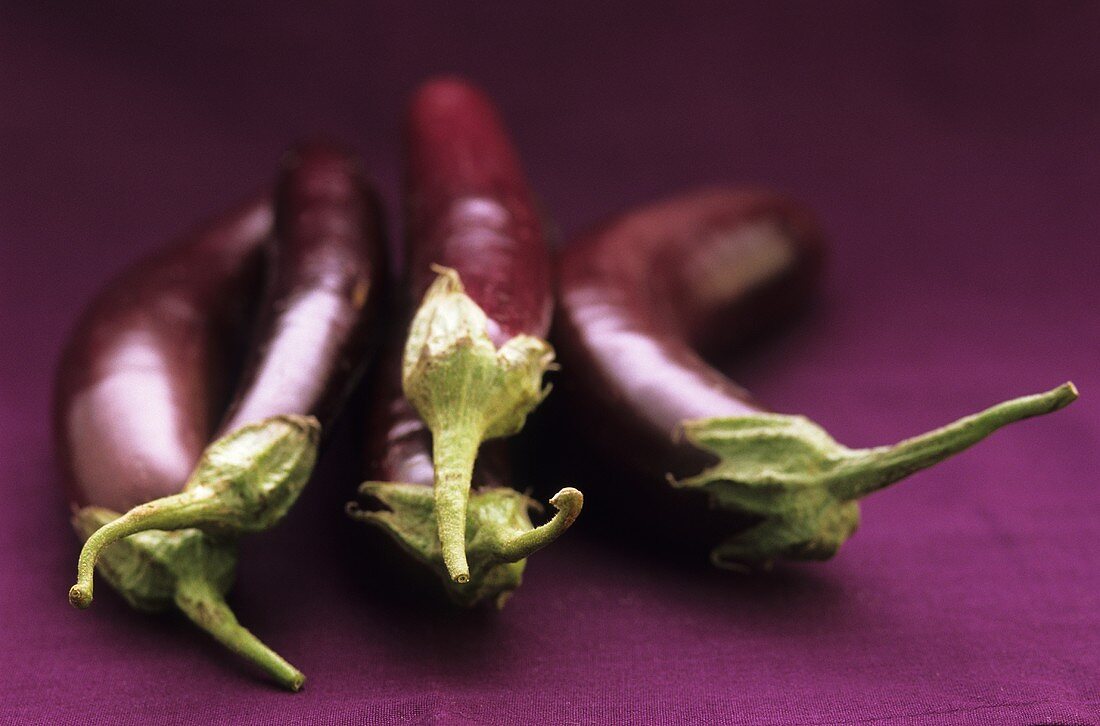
{"x": 468, "y": 391}
{"x": 245, "y": 481}
{"x": 499, "y": 535}
{"x": 804, "y": 486}
{"x": 187, "y": 569}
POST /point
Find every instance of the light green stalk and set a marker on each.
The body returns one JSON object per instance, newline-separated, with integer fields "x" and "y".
{"x": 467, "y": 391}
{"x": 180, "y": 551}
{"x": 245, "y": 482}
{"x": 804, "y": 486}
{"x": 498, "y": 536}
{"x": 189, "y": 570}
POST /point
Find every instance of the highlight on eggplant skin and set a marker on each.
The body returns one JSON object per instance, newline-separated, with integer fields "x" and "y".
{"x": 168, "y": 459}
{"x": 641, "y": 298}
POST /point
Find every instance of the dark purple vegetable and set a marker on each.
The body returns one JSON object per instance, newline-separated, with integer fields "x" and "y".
{"x": 475, "y": 354}
{"x": 327, "y": 271}
{"x": 144, "y": 380}
{"x": 639, "y": 295}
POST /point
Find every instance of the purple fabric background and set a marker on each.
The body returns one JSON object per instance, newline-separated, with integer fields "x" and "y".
{"x": 952, "y": 155}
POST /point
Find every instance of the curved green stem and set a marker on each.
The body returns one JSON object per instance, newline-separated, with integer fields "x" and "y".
{"x": 804, "y": 486}
{"x": 873, "y": 469}
{"x": 200, "y": 601}
{"x": 453, "y": 454}
{"x": 246, "y": 481}
{"x": 187, "y": 569}
{"x": 467, "y": 390}
{"x": 568, "y": 502}
{"x": 494, "y": 515}
{"x": 179, "y": 511}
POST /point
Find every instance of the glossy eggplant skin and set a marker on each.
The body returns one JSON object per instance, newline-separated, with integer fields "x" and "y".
{"x": 469, "y": 208}
{"x": 145, "y": 376}
{"x": 145, "y": 379}
{"x": 642, "y": 295}
{"x": 397, "y": 443}
{"x": 327, "y": 265}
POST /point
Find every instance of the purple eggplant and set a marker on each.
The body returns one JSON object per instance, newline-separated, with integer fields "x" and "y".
{"x": 640, "y": 296}
{"x": 472, "y": 364}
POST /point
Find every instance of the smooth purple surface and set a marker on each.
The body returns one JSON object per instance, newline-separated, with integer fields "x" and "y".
{"x": 952, "y": 155}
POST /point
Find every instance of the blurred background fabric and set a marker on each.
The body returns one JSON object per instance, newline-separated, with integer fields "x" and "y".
{"x": 951, "y": 152}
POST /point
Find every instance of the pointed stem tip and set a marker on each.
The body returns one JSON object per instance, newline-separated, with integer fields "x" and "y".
{"x": 201, "y": 602}
{"x": 568, "y": 502}
{"x": 878, "y": 467}
{"x": 453, "y": 452}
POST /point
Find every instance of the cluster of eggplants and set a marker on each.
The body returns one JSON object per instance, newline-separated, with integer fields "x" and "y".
{"x": 179, "y": 430}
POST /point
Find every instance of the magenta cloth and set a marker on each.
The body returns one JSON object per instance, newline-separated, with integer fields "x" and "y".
{"x": 952, "y": 155}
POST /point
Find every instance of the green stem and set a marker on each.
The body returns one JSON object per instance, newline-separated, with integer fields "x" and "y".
{"x": 568, "y": 503}
{"x": 454, "y": 450}
{"x": 244, "y": 482}
{"x": 803, "y": 486}
{"x": 467, "y": 390}
{"x": 179, "y": 511}
{"x": 203, "y": 604}
{"x": 873, "y": 469}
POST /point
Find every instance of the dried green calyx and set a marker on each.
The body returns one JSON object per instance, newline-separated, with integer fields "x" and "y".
{"x": 157, "y": 570}
{"x": 499, "y": 534}
{"x": 244, "y": 482}
{"x": 804, "y": 486}
{"x": 467, "y": 391}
